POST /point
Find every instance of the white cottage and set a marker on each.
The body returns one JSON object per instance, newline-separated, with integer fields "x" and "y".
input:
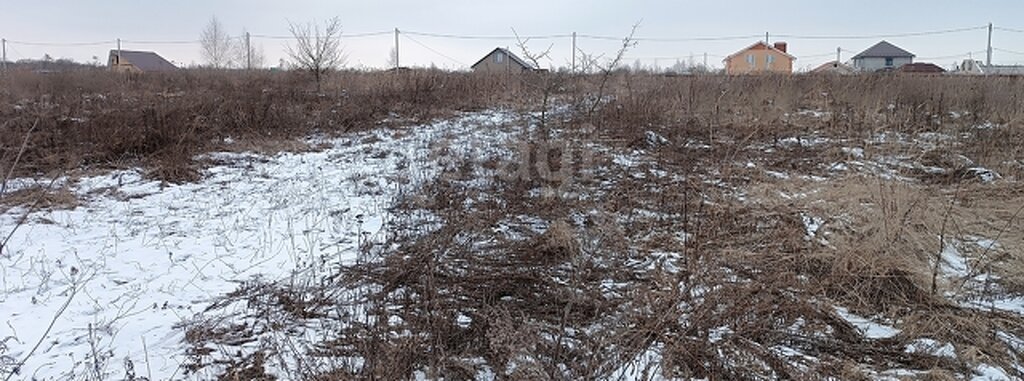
{"x": 882, "y": 56}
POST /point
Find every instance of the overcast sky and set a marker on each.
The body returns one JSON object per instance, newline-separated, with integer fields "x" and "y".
{"x": 77, "y": 21}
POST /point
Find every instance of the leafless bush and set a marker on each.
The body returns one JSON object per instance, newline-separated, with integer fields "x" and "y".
{"x": 99, "y": 120}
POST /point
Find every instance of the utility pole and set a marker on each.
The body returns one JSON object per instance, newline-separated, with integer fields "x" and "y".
{"x": 3, "y": 60}
{"x": 118, "y": 54}
{"x": 397, "y": 65}
{"x": 839, "y": 53}
{"x": 248, "y": 52}
{"x": 766, "y": 38}
{"x": 988, "y": 60}
{"x": 705, "y": 60}
{"x": 573, "y": 52}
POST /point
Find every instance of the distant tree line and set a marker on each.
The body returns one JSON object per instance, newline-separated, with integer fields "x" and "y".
{"x": 220, "y": 50}
{"x": 47, "y": 63}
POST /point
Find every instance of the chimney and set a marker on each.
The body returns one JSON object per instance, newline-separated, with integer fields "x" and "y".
{"x": 781, "y": 46}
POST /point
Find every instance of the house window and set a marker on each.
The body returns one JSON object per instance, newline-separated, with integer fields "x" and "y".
{"x": 888, "y": 61}
{"x": 771, "y": 59}
{"x": 750, "y": 59}
{"x": 499, "y": 57}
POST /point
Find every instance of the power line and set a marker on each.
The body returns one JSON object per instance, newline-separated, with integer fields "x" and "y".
{"x": 179, "y": 42}
{"x": 697, "y": 39}
{"x": 269, "y": 37}
{"x": 59, "y": 44}
{"x": 403, "y": 34}
{"x": 1008, "y": 51}
{"x": 1008, "y": 29}
{"x": 367, "y": 34}
{"x": 409, "y": 34}
{"x": 555, "y": 36}
{"x": 343, "y": 35}
{"x": 469, "y": 37}
{"x": 829, "y": 54}
{"x": 953, "y": 56}
{"x": 864, "y": 37}
{"x": 11, "y": 56}
{"x": 694, "y": 56}
{"x": 669, "y": 39}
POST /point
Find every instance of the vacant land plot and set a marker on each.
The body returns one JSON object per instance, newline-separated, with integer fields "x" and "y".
{"x": 433, "y": 225}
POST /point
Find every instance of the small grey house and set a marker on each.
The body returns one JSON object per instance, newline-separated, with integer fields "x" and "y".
{"x": 882, "y": 56}
{"x": 500, "y": 60}
{"x": 131, "y": 61}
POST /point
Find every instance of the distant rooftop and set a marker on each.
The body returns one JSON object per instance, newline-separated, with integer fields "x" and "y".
{"x": 884, "y": 49}
{"x": 922, "y": 67}
{"x": 511, "y": 55}
{"x": 145, "y": 61}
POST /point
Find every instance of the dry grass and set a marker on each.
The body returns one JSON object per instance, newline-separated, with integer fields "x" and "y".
{"x": 103, "y": 120}
{"x": 39, "y": 198}
{"x": 583, "y": 299}
{"x": 710, "y": 267}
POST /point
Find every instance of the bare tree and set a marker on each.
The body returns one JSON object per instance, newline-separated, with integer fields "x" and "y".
{"x": 217, "y": 46}
{"x": 607, "y": 70}
{"x": 548, "y": 83}
{"x": 393, "y": 58}
{"x": 249, "y": 56}
{"x": 317, "y": 49}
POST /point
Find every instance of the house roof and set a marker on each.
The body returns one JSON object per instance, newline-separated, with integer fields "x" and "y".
{"x": 884, "y": 49}
{"x": 833, "y": 67}
{"x": 145, "y": 61}
{"x": 921, "y": 67}
{"x": 756, "y": 44}
{"x": 511, "y": 56}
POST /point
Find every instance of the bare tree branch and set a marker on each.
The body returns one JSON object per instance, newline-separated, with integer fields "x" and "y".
{"x": 533, "y": 57}
{"x": 317, "y": 49}
{"x": 627, "y": 43}
{"x": 217, "y": 46}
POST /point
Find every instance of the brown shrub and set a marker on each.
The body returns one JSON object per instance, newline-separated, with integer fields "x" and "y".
{"x": 744, "y": 286}
{"x": 40, "y": 198}
{"x": 103, "y": 119}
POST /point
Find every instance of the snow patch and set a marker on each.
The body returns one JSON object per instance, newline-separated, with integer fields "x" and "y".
{"x": 134, "y": 267}
{"x": 931, "y": 347}
{"x": 655, "y": 139}
{"x": 645, "y": 366}
{"x": 855, "y": 152}
{"x": 869, "y": 328}
{"x": 953, "y": 263}
{"x": 984, "y": 174}
{"x": 985, "y": 372}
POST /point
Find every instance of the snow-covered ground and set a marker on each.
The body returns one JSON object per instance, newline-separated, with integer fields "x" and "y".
{"x": 138, "y": 257}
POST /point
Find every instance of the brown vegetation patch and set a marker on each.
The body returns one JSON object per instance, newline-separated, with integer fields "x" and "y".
{"x": 40, "y": 198}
